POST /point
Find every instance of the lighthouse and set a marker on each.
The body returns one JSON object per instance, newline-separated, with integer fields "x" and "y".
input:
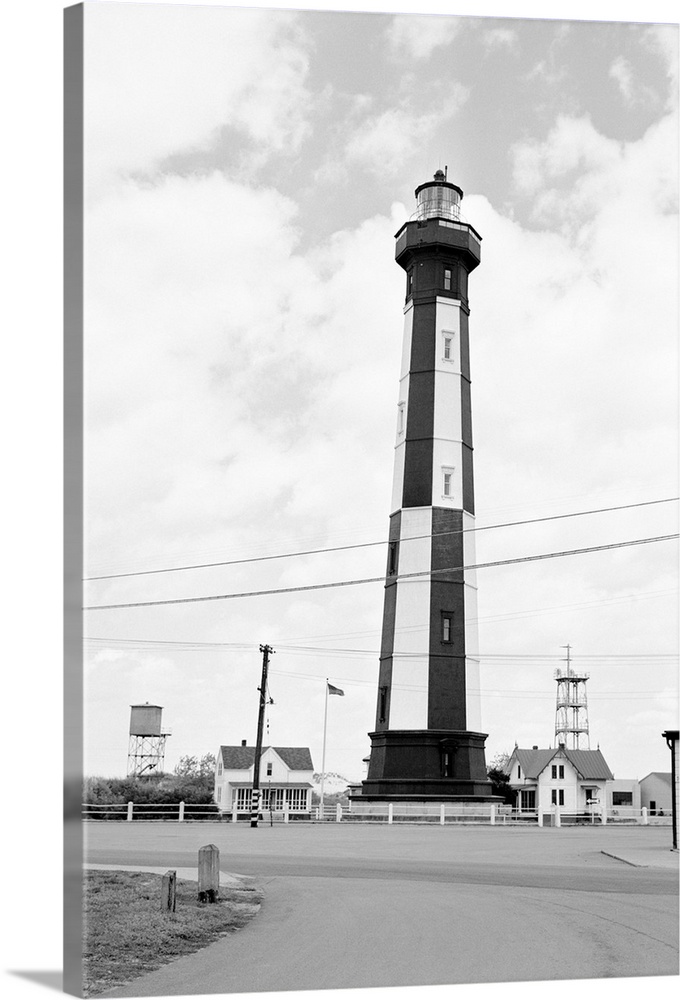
{"x": 426, "y": 743}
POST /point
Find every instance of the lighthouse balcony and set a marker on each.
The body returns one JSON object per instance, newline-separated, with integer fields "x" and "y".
{"x": 441, "y": 232}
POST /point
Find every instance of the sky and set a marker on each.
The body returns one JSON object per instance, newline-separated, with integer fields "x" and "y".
{"x": 246, "y": 171}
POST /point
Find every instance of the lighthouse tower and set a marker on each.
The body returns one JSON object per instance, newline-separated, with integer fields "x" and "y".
{"x": 426, "y": 744}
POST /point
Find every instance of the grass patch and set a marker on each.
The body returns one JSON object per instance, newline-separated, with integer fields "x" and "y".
{"x": 127, "y": 934}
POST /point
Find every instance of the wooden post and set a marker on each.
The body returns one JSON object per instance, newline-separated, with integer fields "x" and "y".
{"x": 169, "y": 891}
{"x": 181, "y": 812}
{"x": 338, "y": 812}
{"x": 129, "y": 812}
{"x": 208, "y": 874}
{"x": 442, "y": 814}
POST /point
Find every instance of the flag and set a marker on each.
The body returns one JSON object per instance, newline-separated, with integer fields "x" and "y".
{"x": 334, "y": 690}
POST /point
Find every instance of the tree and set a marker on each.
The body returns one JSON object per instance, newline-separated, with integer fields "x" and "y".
{"x": 195, "y": 767}
{"x": 499, "y": 776}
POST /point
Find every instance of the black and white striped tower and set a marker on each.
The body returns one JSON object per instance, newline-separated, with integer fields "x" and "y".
{"x": 426, "y": 743}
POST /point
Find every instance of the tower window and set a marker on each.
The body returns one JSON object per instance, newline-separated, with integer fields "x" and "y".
{"x": 447, "y": 626}
{"x": 392, "y": 558}
{"x": 382, "y": 704}
{"x": 447, "y": 483}
{"x": 401, "y": 418}
{"x": 447, "y": 279}
{"x": 448, "y": 348}
{"x": 409, "y": 283}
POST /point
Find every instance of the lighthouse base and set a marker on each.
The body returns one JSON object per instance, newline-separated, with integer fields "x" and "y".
{"x": 427, "y": 765}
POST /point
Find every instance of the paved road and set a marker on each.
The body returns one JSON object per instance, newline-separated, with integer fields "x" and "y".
{"x": 350, "y": 907}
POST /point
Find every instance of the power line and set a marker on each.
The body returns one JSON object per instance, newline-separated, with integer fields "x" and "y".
{"x": 365, "y": 545}
{"x": 198, "y": 645}
{"x": 380, "y": 579}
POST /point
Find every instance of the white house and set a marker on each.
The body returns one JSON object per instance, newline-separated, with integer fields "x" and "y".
{"x": 285, "y": 779}
{"x": 571, "y": 781}
{"x": 623, "y": 797}
{"x": 655, "y": 793}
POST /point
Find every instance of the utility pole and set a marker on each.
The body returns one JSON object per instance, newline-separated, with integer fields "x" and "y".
{"x": 255, "y": 806}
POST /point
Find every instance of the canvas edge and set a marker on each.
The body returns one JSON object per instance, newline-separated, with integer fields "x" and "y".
{"x": 73, "y": 33}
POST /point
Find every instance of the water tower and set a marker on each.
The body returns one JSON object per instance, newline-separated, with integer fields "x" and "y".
{"x": 146, "y": 751}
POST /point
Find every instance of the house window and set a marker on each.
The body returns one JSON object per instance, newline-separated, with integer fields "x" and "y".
{"x": 447, "y": 626}
{"x": 447, "y": 483}
{"x": 553, "y": 798}
{"x": 519, "y": 771}
{"x": 528, "y": 800}
{"x": 269, "y": 770}
{"x": 622, "y": 798}
{"x": 554, "y": 771}
{"x": 219, "y": 794}
{"x": 219, "y": 768}
{"x": 561, "y": 796}
{"x": 561, "y": 772}
{"x": 392, "y": 558}
{"x": 243, "y": 799}
{"x": 447, "y": 279}
{"x": 296, "y": 799}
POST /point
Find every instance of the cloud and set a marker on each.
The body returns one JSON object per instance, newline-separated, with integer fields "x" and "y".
{"x": 167, "y": 84}
{"x": 382, "y": 142}
{"x": 620, "y": 71}
{"x": 499, "y": 38}
{"x": 419, "y": 36}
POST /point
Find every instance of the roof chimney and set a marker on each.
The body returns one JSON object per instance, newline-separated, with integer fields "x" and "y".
{"x": 244, "y": 743}
{"x": 534, "y": 748}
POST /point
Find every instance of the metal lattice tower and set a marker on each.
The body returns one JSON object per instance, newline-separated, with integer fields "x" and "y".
{"x": 146, "y": 750}
{"x": 571, "y": 712}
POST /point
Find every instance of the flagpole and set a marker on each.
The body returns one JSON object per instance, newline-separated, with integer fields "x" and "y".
{"x": 323, "y": 752}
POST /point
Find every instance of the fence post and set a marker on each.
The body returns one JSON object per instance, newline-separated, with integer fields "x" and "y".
{"x": 643, "y": 816}
{"x": 285, "y": 813}
{"x": 442, "y": 814}
{"x": 539, "y": 814}
{"x": 129, "y": 812}
{"x": 169, "y": 891}
{"x": 603, "y": 814}
{"x": 208, "y": 873}
{"x": 390, "y": 812}
{"x": 492, "y": 814}
{"x": 558, "y": 821}
{"x": 181, "y": 812}
{"x": 338, "y": 812}
{"x": 234, "y": 812}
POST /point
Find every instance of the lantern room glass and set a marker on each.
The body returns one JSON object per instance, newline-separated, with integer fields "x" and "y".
{"x": 438, "y": 201}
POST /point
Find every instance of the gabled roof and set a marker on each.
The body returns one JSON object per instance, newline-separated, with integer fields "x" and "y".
{"x": 241, "y": 758}
{"x": 533, "y": 762}
{"x": 590, "y": 764}
{"x": 664, "y": 776}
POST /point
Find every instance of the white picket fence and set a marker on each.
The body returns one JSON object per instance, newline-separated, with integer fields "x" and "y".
{"x": 491, "y": 814}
